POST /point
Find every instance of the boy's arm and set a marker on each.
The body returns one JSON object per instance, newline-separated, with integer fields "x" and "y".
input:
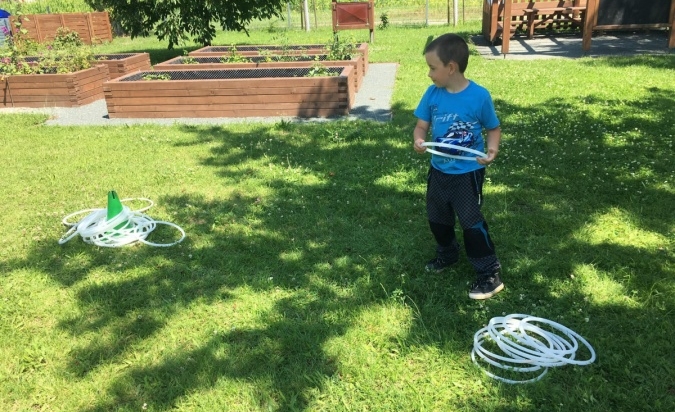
{"x": 494, "y": 136}
{"x": 420, "y": 135}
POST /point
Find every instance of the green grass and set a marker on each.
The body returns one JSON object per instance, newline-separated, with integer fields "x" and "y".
{"x": 299, "y": 286}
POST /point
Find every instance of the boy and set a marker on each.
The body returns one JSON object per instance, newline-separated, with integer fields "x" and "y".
{"x": 457, "y": 109}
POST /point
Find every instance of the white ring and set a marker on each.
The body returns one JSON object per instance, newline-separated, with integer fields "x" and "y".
{"x": 126, "y": 227}
{"x": 523, "y": 342}
{"x": 453, "y": 146}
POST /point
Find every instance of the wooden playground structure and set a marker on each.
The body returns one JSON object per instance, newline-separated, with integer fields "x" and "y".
{"x": 586, "y": 16}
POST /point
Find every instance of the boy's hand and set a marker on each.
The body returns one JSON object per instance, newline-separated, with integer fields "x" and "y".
{"x": 420, "y": 135}
{"x": 491, "y": 155}
{"x": 417, "y": 145}
{"x": 494, "y": 136}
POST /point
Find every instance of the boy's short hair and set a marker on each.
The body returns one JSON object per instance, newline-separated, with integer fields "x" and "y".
{"x": 450, "y": 47}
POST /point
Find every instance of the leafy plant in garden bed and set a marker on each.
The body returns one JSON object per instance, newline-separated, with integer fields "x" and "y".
{"x": 66, "y": 54}
{"x": 319, "y": 70}
{"x": 336, "y": 49}
{"x": 215, "y": 62}
{"x": 187, "y": 59}
{"x": 233, "y": 56}
{"x": 156, "y": 76}
{"x": 57, "y": 74}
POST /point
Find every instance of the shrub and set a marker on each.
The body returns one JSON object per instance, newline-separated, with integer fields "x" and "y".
{"x": 65, "y": 54}
{"x": 340, "y": 50}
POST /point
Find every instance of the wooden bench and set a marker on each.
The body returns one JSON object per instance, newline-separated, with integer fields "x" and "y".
{"x": 509, "y": 16}
{"x": 494, "y": 16}
{"x": 548, "y": 16}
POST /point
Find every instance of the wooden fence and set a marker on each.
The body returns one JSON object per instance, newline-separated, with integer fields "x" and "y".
{"x": 92, "y": 27}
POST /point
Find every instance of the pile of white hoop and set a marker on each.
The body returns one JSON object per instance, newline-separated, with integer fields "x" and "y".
{"x": 524, "y": 343}
{"x": 127, "y": 227}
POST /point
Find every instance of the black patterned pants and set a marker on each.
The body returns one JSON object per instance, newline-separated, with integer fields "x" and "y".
{"x": 460, "y": 197}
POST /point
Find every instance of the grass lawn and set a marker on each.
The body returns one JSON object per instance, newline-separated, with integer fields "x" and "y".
{"x": 300, "y": 285}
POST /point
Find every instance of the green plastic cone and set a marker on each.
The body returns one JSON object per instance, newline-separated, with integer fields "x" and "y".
{"x": 115, "y": 208}
{"x": 114, "y": 205}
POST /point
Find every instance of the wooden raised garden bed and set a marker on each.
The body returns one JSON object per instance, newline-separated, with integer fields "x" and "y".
{"x": 53, "y": 90}
{"x": 201, "y": 63}
{"x": 257, "y": 50}
{"x": 124, "y": 63}
{"x": 118, "y": 64}
{"x": 231, "y": 93}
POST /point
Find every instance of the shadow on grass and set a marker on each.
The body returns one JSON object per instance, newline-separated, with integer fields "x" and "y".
{"x": 336, "y": 224}
{"x": 579, "y": 193}
{"x": 664, "y": 62}
{"x": 296, "y": 235}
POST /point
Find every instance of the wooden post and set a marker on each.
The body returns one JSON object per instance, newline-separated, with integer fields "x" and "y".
{"x": 316, "y": 20}
{"x": 506, "y": 26}
{"x": 494, "y": 15}
{"x": 589, "y": 23}
{"x": 90, "y": 26}
{"x": 449, "y": 12}
{"x": 305, "y": 12}
{"x": 37, "y": 28}
{"x": 671, "y": 40}
{"x": 455, "y": 11}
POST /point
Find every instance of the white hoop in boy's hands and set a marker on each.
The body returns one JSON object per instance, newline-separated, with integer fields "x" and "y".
{"x": 453, "y": 146}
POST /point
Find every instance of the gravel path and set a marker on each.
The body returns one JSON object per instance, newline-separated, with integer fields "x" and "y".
{"x": 373, "y": 102}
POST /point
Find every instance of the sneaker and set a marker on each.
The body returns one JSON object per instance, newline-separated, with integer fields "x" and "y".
{"x": 486, "y": 286}
{"x": 439, "y": 264}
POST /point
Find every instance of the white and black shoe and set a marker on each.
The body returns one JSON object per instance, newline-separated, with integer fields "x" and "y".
{"x": 486, "y": 286}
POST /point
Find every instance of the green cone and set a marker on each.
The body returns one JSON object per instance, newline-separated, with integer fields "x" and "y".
{"x": 115, "y": 208}
{"x": 114, "y": 205}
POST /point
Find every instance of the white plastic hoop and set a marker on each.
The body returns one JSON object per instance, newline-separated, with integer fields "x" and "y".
{"x": 126, "y": 227}
{"x": 453, "y": 146}
{"x": 522, "y": 342}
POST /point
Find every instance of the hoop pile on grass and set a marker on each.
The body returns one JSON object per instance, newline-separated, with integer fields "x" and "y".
{"x": 257, "y": 92}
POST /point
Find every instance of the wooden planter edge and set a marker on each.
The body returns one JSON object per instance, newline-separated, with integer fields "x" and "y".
{"x": 81, "y": 87}
{"x": 231, "y": 98}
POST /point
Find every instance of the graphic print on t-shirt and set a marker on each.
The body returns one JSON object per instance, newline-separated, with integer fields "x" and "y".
{"x": 459, "y": 134}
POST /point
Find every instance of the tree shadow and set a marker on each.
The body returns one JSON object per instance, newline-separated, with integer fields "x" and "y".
{"x": 663, "y": 62}
{"x": 293, "y": 237}
{"x": 323, "y": 260}
{"x": 621, "y": 158}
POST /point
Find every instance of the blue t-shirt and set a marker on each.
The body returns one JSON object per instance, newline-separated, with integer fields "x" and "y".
{"x": 459, "y": 119}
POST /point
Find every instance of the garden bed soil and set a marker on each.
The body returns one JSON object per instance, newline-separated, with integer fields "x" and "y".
{"x": 255, "y": 92}
{"x": 124, "y": 63}
{"x": 255, "y": 50}
{"x": 214, "y": 63}
{"x": 54, "y": 90}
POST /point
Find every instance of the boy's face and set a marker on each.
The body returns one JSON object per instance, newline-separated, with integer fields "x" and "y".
{"x": 439, "y": 73}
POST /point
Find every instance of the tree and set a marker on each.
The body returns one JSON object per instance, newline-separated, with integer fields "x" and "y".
{"x": 178, "y": 20}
